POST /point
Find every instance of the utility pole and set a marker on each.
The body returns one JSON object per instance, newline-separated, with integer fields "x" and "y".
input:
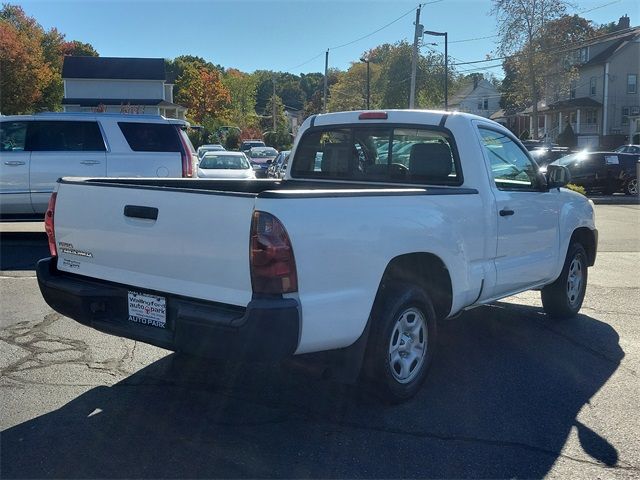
{"x": 273, "y": 104}
{"x": 326, "y": 71}
{"x": 414, "y": 59}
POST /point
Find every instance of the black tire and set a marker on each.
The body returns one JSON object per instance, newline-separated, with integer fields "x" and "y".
{"x": 631, "y": 187}
{"x": 562, "y": 298}
{"x": 396, "y": 302}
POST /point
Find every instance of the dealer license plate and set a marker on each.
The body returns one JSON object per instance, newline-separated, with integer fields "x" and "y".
{"x": 148, "y": 309}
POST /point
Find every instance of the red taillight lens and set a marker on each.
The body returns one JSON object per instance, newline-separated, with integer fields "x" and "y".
{"x": 273, "y": 267}
{"x": 187, "y": 158}
{"x": 48, "y": 224}
{"x": 373, "y": 116}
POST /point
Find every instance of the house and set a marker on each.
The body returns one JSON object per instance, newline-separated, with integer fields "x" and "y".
{"x": 120, "y": 85}
{"x": 477, "y": 96}
{"x": 602, "y": 104}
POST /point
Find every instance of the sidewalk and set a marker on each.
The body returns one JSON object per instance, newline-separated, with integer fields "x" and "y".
{"x": 619, "y": 199}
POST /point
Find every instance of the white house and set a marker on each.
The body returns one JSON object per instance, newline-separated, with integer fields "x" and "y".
{"x": 477, "y": 96}
{"x": 119, "y": 85}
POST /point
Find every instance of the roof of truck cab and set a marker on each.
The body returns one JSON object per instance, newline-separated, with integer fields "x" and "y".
{"x": 432, "y": 117}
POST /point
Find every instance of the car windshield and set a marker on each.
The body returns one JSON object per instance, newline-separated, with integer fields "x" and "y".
{"x": 224, "y": 162}
{"x": 263, "y": 152}
{"x": 571, "y": 159}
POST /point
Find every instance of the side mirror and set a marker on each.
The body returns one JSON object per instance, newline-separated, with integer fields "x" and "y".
{"x": 557, "y": 176}
{"x": 269, "y": 162}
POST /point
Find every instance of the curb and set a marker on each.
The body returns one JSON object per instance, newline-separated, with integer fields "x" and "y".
{"x": 616, "y": 200}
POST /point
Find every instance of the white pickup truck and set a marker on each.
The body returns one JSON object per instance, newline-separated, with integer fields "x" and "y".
{"x": 385, "y": 223}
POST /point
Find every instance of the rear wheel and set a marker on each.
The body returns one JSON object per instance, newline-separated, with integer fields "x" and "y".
{"x": 401, "y": 342}
{"x": 563, "y": 298}
{"x": 631, "y": 187}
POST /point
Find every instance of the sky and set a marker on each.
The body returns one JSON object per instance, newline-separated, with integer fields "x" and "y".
{"x": 287, "y": 35}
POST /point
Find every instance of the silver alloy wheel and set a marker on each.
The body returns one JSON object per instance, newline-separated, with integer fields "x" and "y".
{"x": 408, "y": 345}
{"x": 632, "y": 187}
{"x": 574, "y": 280}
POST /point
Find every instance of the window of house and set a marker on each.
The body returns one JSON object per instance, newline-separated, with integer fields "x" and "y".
{"x": 151, "y": 137}
{"x": 593, "y": 86}
{"x": 485, "y": 104}
{"x": 573, "y": 89}
{"x": 62, "y": 136}
{"x": 591, "y": 117}
{"x": 632, "y": 83}
{"x": 378, "y": 154}
{"x": 625, "y": 115}
{"x": 584, "y": 54}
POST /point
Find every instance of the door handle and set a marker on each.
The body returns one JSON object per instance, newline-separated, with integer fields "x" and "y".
{"x": 14, "y": 163}
{"x": 506, "y": 212}
{"x": 90, "y": 162}
{"x": 137, "y": 211}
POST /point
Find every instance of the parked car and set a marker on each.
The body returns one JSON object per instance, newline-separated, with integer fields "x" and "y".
{"x": 215, "y": 147}
{"x": 225, "y": 165}
{"x": 628, "y": 149}
{"x": 247, "y": 145}
{"x": 357, "y": 259}
{"x": 36, "y": 150}
{"x": 279, "y": 165}
{"x": 604, "y": 172}
{"x": 262, "y": 157}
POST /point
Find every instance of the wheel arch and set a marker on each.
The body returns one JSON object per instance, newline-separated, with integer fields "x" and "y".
{"x": 587, "y": 238}
{"x": 424, "y": 269}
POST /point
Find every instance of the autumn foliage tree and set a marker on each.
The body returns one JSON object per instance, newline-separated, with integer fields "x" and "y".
{"x": 31, "y": 62}
{"x": 201, "y": 90}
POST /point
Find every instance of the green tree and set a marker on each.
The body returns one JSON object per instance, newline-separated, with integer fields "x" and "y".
{"x": 521, "y": 26}
{"x": 242, "y": 91}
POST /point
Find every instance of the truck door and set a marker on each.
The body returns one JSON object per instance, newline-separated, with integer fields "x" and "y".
{"x": 14, "y": 169}
{"x": 62, "y": 148}
{"x": 528, "y": 217}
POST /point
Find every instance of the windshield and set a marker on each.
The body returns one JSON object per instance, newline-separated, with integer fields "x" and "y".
{"x": 224, "y": 162}
{"x": 571, "y": 159}
{"x": 263, "y": 152}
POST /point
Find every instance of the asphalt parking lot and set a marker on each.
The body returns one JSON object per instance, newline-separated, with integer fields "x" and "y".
{"x": 511, "y": 393}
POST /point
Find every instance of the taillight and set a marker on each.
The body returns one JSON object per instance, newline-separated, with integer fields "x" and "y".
{"x": 187, "y": 158}
{"x": 273, "y": 267}
{"x": 372, "y": 116}
{"x": 48, "y": 224}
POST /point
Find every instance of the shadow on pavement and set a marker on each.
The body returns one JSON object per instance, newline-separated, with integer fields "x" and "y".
{"x": 503, "y": 394}
{"x": 21, "y": 251}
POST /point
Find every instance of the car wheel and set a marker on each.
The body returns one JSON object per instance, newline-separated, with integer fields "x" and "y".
{"x": 563, "y": 298}
{"x": 631, "y": 187}
{"x": 401, "y": 342}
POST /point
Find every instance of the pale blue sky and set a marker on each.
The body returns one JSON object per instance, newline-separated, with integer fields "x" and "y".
{"x": 282, "y": 35}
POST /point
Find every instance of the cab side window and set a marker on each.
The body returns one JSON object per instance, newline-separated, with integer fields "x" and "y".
{"x": 510, "y": 166}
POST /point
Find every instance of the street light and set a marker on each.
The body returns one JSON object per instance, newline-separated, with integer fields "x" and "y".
{"x": 446, "y": 64}
{"x": 368, "y": 80}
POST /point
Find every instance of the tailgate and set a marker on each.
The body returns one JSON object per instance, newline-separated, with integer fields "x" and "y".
{"x": 197, "y": 247}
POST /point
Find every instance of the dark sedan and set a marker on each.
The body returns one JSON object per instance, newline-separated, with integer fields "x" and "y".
{"x": 605, "y": 172}
{"x": 261, "y": 158}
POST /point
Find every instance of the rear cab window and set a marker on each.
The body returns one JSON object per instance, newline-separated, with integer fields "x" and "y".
{"x": 152, "y": 137}
{"x": 378, "y": 153}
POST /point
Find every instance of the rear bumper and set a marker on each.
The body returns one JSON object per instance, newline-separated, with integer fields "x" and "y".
{"x": 267, "y": 329}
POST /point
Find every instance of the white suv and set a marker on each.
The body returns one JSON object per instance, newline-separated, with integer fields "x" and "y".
{"x": 36, "y": 150}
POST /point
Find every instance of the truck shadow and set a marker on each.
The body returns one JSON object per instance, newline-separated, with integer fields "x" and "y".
{"x": 502, "y": 397}
{"x": 21, "y": 251}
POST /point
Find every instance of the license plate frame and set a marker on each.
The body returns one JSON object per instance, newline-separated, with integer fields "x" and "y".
{"x": 147, "y": 309}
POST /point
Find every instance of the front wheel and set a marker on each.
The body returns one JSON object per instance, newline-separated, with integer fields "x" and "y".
{"x": 631, "y": 187}
{"x": 563, "y": 298}
{"x": 401, "y": 342}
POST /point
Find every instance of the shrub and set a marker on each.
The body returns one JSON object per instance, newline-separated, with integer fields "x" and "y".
{"x": 576, "y": 188}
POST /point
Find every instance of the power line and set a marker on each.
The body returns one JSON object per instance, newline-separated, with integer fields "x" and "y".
{"x": 473, "y": 39}
{"x": 375, "y": 31}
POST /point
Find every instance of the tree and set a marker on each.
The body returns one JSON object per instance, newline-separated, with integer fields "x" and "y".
{"x": 242, "y": 92}
{"x": 521, "y": 26}
{"x": 79, "y": 49}
{"x": 24, "y": 74}
{"x": 202, "y": 92}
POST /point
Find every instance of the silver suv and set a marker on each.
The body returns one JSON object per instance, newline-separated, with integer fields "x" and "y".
{"x": 36, "y": 150}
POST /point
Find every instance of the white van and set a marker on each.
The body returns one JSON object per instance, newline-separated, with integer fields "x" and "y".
{"x": 36, "y": 150}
